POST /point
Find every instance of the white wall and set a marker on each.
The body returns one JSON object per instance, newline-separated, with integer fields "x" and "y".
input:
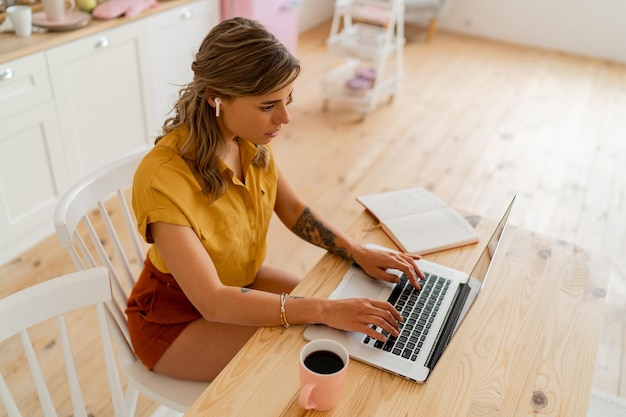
{"x": 594, "y": 28}
{"x": 314, "y": 12}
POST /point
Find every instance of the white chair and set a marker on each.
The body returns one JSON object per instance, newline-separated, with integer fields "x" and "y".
{"x": 108, "y": 237}
{"x": 428, "y": 10}
{"x": 22, "y": 312}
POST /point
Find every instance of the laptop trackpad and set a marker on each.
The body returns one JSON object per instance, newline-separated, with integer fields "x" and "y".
{"x": 361, "y": 285}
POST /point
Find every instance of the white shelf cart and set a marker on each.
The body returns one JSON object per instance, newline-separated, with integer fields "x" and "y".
{"x": 365, "y": 53}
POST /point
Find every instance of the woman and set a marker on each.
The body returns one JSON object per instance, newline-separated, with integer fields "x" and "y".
{"x": 204, "y": 196}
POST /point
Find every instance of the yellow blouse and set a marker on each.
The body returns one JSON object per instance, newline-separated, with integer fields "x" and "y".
{"x": 232, "y": 230}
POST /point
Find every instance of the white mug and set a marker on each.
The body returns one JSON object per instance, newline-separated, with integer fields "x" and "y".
{"x": 22, "y": 19}
{"x": 55, "y": 9}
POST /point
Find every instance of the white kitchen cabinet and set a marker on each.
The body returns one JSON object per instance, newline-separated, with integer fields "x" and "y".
{"x": 24, "y": 83}
{"x": 101, "y": 84}
{"x": 32, "y": 173}
{"x": 175, "y": 37}
{"x": 33, "y": 169}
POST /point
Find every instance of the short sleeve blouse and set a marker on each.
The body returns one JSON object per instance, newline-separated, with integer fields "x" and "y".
{"x": 232, "y": 229}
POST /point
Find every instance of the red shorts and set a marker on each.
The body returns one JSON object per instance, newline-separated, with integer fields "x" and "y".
{"x": 158, "y": 311}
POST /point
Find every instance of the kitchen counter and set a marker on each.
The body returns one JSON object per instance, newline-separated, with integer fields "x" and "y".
{"x": 12, "y": 46}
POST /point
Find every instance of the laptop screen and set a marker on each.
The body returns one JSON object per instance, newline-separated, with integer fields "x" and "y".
{"x": 484, "y": 261}
{"x": 465, "y": 300}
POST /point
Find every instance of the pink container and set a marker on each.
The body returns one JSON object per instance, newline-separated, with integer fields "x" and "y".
{"x": 279, "y": 16}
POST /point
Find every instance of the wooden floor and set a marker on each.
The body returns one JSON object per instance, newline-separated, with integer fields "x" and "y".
{"x": 476, "y": 121}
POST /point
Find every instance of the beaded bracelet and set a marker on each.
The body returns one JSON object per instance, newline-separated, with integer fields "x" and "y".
{"x": 283, "y": 315}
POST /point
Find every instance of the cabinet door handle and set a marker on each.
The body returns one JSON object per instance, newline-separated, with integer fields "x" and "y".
{"x": 186, "y": 14}
{"x": 6, "y": 74}
{"x": 103, "y": 42}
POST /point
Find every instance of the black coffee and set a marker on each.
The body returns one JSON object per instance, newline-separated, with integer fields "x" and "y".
{"x": 323, "y": 362}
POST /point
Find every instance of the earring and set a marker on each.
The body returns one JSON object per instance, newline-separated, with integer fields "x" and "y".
{"x": 217, "y": 106}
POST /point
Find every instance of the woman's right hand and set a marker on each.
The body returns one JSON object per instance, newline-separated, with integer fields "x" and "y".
{"x": 359, "y": 314}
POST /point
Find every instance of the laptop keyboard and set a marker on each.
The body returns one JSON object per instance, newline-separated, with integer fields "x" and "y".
{"x": 418, "y": 308}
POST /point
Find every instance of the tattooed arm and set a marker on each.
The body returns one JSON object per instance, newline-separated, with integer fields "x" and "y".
{"x": 311, "y": 226}
{"x": 311, "y": 229}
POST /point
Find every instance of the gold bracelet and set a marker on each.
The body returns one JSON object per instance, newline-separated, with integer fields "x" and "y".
{"x": 283, "y": 315}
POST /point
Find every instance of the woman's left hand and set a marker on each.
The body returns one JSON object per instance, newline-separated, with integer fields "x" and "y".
{"x": 376, "y": 262}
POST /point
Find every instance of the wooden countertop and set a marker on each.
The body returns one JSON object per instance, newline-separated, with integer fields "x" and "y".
{"x": 12, "y": 47}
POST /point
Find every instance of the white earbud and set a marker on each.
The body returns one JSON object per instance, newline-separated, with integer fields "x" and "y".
{"x": 217, "y": 106}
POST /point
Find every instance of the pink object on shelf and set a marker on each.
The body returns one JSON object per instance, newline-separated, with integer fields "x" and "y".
{"x": 366, "y": 73}
{"x": 362, "y": 81}
{"x": 358, "y": 85}
{"x": 129, "y": 8}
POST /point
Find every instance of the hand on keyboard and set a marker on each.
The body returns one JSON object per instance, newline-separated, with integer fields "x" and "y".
{"x": 378, "y": 263}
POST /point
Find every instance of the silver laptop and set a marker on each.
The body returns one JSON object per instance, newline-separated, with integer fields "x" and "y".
{"x": 431, "y": 315}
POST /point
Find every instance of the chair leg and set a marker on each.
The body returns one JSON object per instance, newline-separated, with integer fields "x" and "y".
{"x": 131, "y": 397}
{"x": 432, "y": 28}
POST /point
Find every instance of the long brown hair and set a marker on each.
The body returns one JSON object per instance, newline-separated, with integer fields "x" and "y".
{"x": 239, "y": 57}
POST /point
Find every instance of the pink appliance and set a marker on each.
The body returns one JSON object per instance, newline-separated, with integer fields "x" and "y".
{"x": 279, "y": 16}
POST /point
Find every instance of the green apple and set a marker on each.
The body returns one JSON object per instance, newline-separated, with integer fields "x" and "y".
{"x": 87, "y": 5}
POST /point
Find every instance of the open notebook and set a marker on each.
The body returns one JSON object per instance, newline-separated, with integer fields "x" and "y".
{"x": 418, "y": 221}
{"x": 431, "y": 315}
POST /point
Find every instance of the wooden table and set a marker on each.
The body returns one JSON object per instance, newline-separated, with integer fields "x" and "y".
{"x": 526, "y": 348}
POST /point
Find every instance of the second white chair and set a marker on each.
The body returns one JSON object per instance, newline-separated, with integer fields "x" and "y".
{"x": 95, "y": 224}
{"x": 27, "y": 313}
